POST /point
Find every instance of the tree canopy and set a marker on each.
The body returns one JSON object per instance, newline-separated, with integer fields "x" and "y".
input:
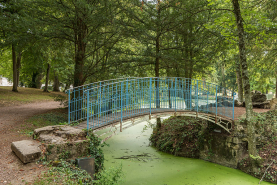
{"x": 85, "y": 41}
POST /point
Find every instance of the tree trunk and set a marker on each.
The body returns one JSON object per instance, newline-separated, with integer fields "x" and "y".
{"x": 33, "y": 83}
{"x": 224, "y": 93}
{"x": 276, "y": 88}
{"x": 38, "y": 80}
{"x": 157, "y": 62}
{"x": 246, "y": 83}
{"x": 18, "y": 65}
{"x": 56, "y": 86}
{"x": 47, "y": 79}
{"x": 15, "y": 84}
{"x": 80, "y": 51}
{"x": 239, "y": 80}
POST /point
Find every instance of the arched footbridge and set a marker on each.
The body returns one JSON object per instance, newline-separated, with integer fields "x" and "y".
{"x": 114, "y": 101}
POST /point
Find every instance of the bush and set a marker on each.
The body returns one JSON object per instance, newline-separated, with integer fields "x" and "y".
{"x": 178, "y": 134}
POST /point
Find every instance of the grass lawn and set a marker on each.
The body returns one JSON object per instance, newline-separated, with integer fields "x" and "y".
{"x": 25, "y": 95}
{"x": 54, "y": 117}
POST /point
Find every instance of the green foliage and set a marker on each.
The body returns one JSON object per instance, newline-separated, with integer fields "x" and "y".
{"x": 265, "y": 124}
{"x": 66, "y": 173}
{"x": 179, "y": 134}
{"x": 57, "y": 117}
{"x": 95, "y": 150}
{"x": 62, "y": 99}
{"x": 111, "y": 176}
{"x": 64, "y": 155}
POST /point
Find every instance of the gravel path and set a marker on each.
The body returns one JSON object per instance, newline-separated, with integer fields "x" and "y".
{"x": 12, "y": 169}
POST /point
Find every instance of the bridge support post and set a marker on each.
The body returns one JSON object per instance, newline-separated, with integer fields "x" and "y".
{"x": 68, "y": 106}
{"x": 233, "y": 116}
{"x": 197, "y": 97}
{"x": 159, "y": 123}
{"x": 150, "y": 93}
{"x": 88, "y": 109}
{"x": 216, "y": 101}
{"x": 120, "y": 126}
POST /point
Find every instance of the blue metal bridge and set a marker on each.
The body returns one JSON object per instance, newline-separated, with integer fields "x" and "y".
{"x": 114, "y": 101}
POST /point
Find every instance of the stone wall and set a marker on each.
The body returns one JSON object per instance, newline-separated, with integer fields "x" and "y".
{"x": 223, "y": 149}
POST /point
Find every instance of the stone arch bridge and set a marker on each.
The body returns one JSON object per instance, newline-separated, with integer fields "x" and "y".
{"x": 114, "y": 101}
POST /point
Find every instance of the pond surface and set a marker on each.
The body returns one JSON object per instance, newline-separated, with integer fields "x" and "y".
{"x": 144, "y": 165}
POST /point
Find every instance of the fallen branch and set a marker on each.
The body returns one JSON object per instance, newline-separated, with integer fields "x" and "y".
{"x": 265, "y": 172}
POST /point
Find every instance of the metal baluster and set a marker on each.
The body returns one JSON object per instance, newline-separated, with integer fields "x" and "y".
{"x": 69, "y": 105}
{"x": 150, "y": 93}
{"x": 87, "y": 109}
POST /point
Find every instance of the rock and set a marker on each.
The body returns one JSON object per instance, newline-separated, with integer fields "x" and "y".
{"x": 236, "y": 147}
{"x": 67, "y": 150}
{"x": 238, "y": 104}
{"x": 245, "y": 139}
{"x": 59, "y": 133}
{"x": 258, "y": 97}
{"x": 229, "y": 139}
{"x": 43, "y": 130}
{"x": 236, "y": 140}
{"x": 240, "y": 128}
{"x": 62, "y": 142}
{"x": 50, "y": 138}
{"x": 88, "y": 164}
{"x": 263, "y": 105}
{"x": 273, "y": 103}
{"x": 26, "y": 150}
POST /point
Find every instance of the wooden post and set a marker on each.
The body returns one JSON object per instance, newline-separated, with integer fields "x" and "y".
{"x": 120, "y": 126}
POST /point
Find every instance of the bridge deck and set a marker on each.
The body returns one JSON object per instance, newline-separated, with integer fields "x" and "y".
{"x": 115, "y": 118}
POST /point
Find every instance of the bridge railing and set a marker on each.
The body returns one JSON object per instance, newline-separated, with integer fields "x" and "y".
{"x": 116, "y": 100}
{"x": 77, "y": 99}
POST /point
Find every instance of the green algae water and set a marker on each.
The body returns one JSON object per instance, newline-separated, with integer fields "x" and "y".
{"x": 144, "y": 165}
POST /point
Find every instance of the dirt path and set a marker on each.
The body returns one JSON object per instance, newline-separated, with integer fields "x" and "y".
{"x": 239, "y": 111}
{"x": 12, "y": 169}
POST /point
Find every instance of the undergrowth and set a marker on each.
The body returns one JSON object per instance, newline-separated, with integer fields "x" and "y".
{"x": 55, "y": 117}
{"x": 68, "y": 173}
{"x": 178, "y": 135}
{"x": 266, "y": 132}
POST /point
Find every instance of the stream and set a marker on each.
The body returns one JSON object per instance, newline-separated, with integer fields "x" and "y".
{"x": 144, "y": 165}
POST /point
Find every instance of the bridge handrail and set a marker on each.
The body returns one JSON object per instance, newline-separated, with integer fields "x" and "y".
{"x": 177, "y": 86}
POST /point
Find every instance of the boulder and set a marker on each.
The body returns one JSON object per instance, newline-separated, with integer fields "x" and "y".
{"x": 58, "y": 132}
{"x": 263, "y": 105}
{"x": 26, "y": 150}
{"x": 62, "y": 142}
{"x": 59, "y": 142}
{"x": 238, "y": 104}
{"x": 258, "y": 97}
{"x": 273, "y": 103}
